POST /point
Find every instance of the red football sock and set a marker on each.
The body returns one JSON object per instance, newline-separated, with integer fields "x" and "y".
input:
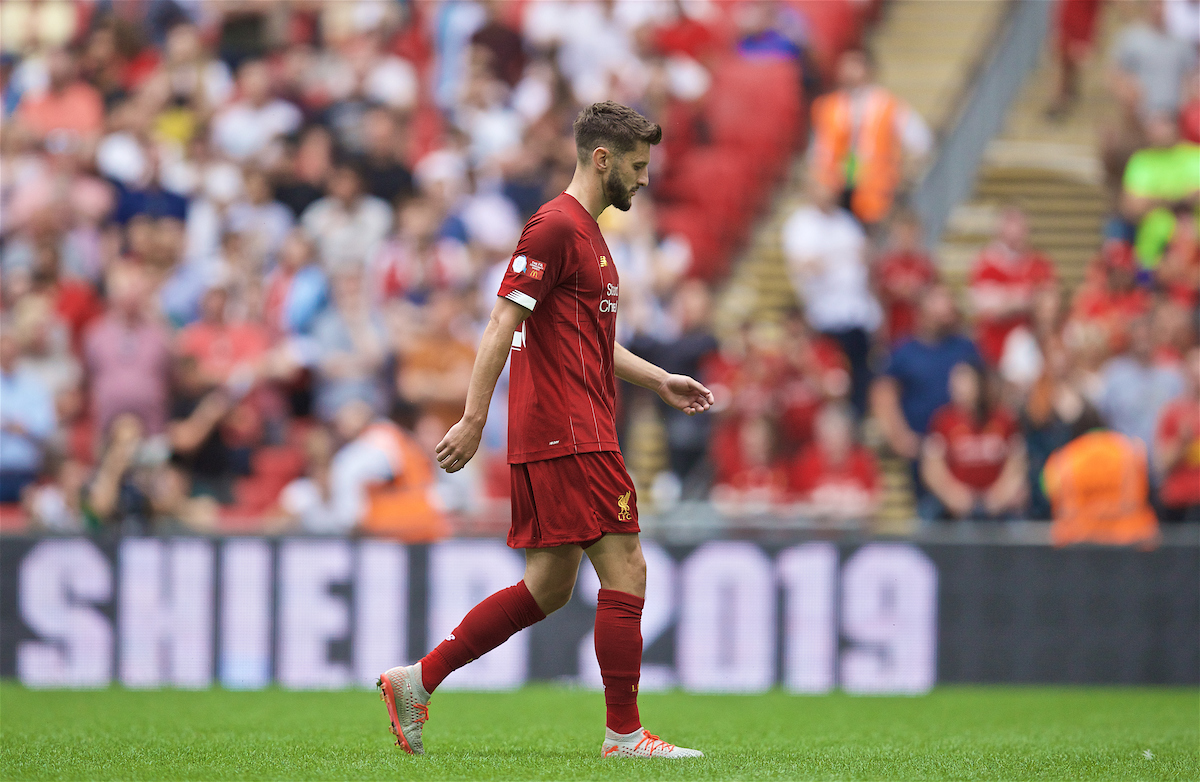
{"x": 619, "y": 652}
{"x": 485, "y": 627}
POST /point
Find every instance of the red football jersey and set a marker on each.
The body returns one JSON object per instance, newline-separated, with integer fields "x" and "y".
{"x": 975, "y": 454}
{"x": 813, "y": 477}
{"x": 562, "y": 390}
{"x": 899, "y": 273}
{"x": 1181, "y": 486}
{"x": 1019, "y": 277}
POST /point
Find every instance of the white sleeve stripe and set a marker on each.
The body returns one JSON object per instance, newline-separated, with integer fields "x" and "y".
{"x": 524, "y": 299}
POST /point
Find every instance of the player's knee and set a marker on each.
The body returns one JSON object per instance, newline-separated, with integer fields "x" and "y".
{"x": 552, "y": 593}
{"x": 558, "y": 595}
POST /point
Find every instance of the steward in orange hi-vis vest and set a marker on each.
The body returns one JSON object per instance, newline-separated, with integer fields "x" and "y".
{"x": 1099, "y": 491}
{"x": 862, "y": 153}
{"x": 402, "y": 508}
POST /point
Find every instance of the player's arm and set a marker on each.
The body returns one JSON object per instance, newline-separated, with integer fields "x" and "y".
{"x": 679, "y": 391}
{"x": 462, "y": 441}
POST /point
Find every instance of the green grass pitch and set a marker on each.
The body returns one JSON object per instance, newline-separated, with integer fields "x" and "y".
{"x": 545, "y": 732}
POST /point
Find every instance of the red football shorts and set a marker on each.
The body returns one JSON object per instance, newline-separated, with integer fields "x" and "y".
{"x": 571, "y": 499}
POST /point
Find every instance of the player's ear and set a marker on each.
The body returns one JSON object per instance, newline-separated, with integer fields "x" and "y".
{"x": 601, "y": 158}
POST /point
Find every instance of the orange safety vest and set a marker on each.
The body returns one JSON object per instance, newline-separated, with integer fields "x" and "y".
{"x": 402, "y": 508}
{"x": 1099, "y": 488}
{"x": 869, "y": 161}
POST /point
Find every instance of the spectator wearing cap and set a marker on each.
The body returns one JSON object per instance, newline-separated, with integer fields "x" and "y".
{"x": 127, "y": 356}
{"x": 1004, "y": 279}
{"x": 861, "y": 134}
{"x": 1134, "y": 389}
{"x": 826, "y": 250}
{"x": 973, "y": 460}
{"x": 348, "y": 225}
{"x": 1177, "y": 448}
{"x": 27, "y": 420}
{"x": 1163, "y": 177}
{"x": 835, "y": 477}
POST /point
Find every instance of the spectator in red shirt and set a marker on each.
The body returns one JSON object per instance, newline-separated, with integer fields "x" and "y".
{"x": 904, "y": 270}
{"x": 1076, "y": 35}
{"x": 68, "y": 105}
{"x": 815, "y": 371}
{"x": 1178, "y": 273}
{"x": 1177, "y": 449}
{"x": 835, "y": 478}
{"x": 1109, "y": 302}
{"x": 227, "y": 352}
{"x": 973, "y": 460}
{"x": 749, "y": 478}
{"x": 1003, "y": 280}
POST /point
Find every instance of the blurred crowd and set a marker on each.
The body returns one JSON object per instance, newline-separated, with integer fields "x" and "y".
{"x": 980, "y": 395}
{"x": 247, "y": 248}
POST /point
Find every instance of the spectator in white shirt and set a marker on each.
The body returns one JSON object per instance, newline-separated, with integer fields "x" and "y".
{"x": 348, "y": 225}
{"x": 826, "y": 248}
{"x": 247, "y": 127}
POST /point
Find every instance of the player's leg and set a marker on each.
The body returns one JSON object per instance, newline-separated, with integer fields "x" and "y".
{"x": 549, "y": 578}
{"x": 621, "y": 567}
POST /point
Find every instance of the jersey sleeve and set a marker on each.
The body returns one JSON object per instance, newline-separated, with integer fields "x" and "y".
{"x": 537, "y": 264}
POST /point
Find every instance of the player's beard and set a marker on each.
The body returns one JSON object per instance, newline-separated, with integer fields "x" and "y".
{"x": 617, "y": 194}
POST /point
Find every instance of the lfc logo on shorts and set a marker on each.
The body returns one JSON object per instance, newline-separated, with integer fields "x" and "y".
{"x": 623, "y": 507}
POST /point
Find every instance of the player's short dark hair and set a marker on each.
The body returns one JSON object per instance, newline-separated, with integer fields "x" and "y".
{"x": 613, "y": 126}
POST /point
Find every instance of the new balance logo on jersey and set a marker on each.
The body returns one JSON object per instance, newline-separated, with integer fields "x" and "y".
{"x": 623, "y": 507}
{"x": 603, "y": 261}
{"x": 609, "y": 305}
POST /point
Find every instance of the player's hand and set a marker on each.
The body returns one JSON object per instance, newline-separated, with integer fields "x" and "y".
{"x": 685, "y": 394}
{"x": 458, "y": 446}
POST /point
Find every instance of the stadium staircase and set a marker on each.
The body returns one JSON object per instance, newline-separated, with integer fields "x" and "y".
{"x": 1050, "y": 169}
{"x": 926, "y": 52}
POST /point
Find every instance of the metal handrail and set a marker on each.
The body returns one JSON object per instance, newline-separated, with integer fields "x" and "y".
{"x": 950, "y": 178}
